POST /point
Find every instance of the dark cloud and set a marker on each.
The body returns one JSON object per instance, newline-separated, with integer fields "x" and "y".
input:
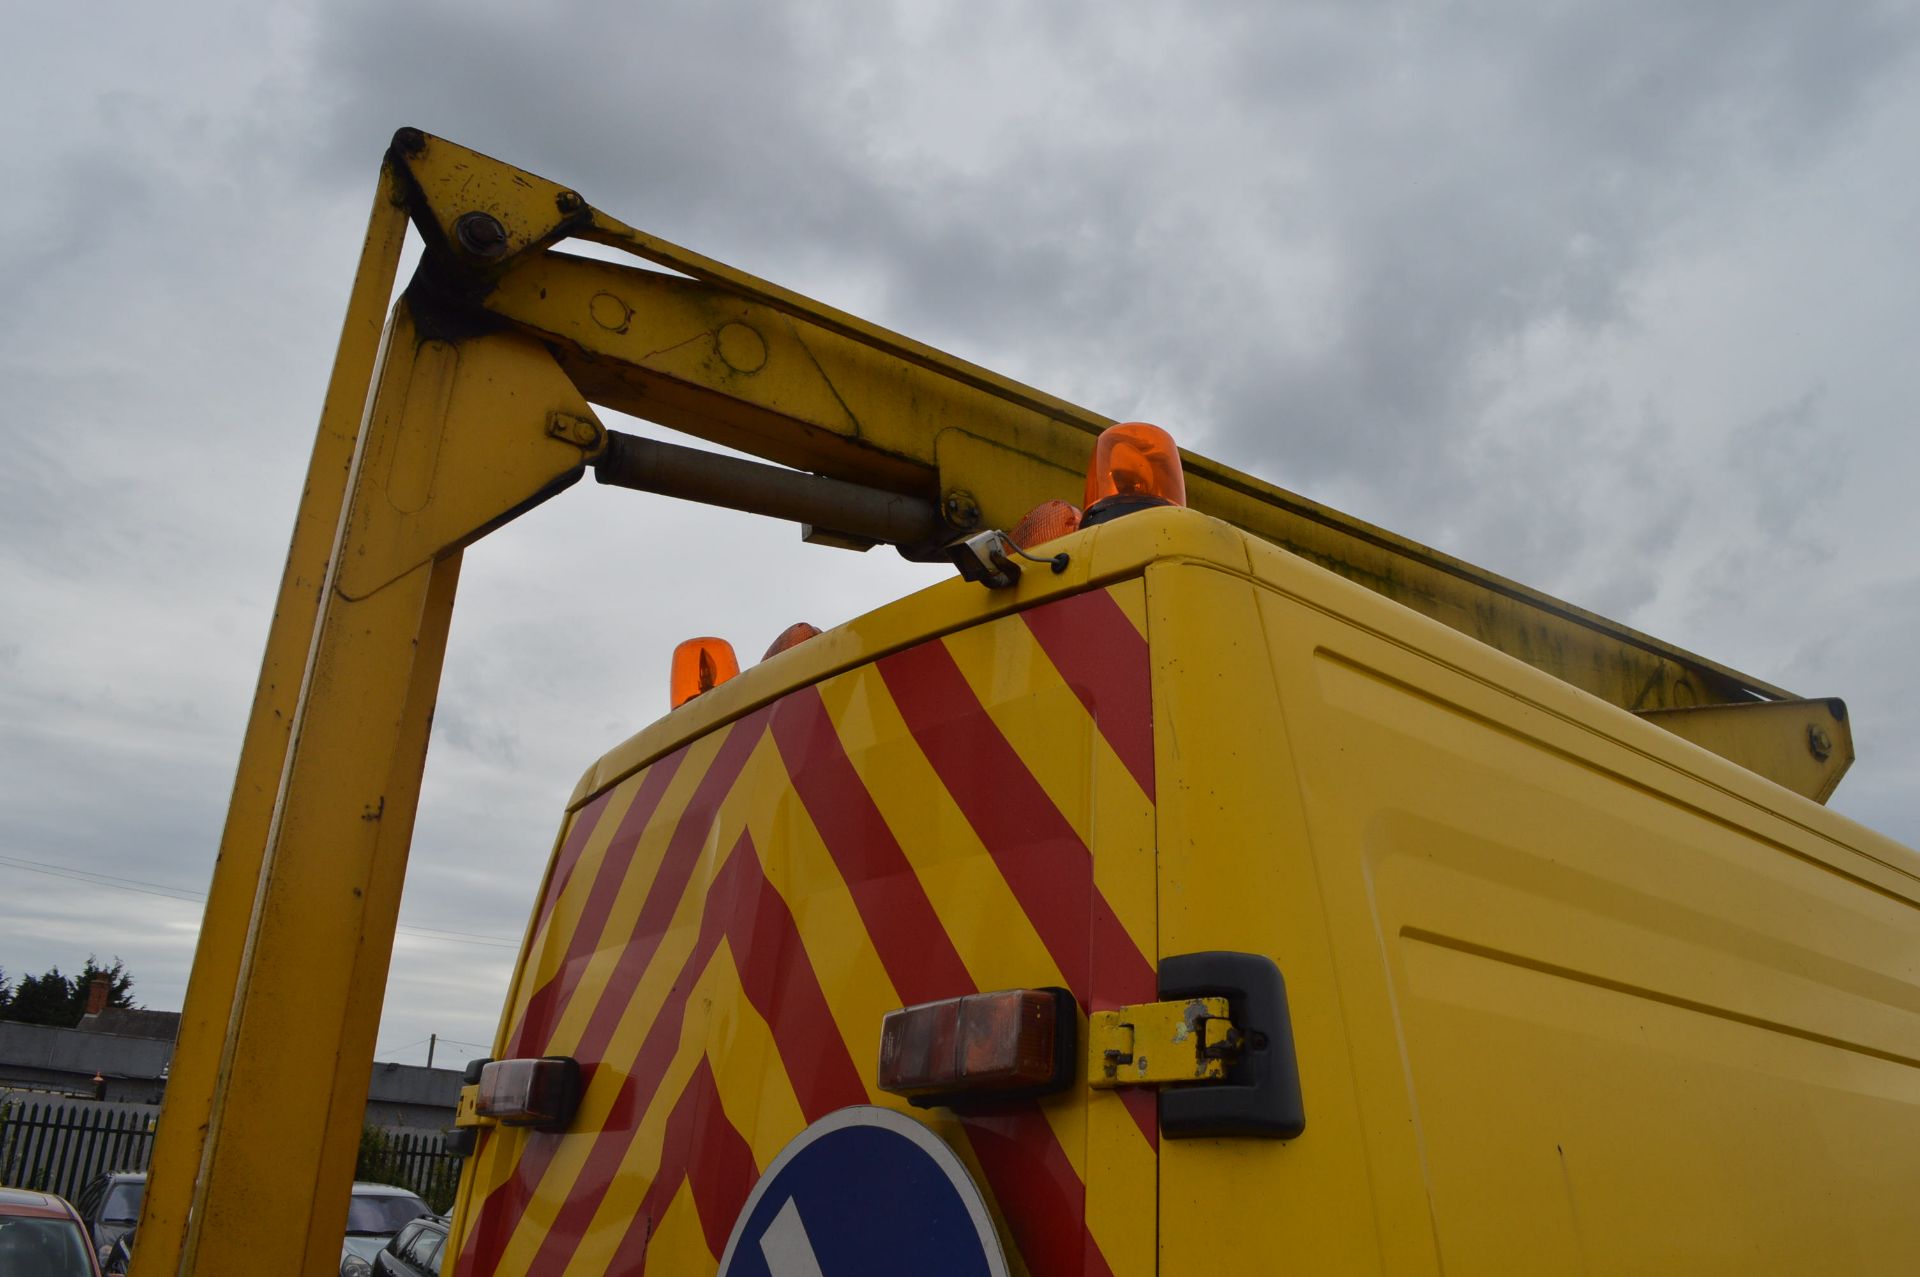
{"x": 1616, "y": 299}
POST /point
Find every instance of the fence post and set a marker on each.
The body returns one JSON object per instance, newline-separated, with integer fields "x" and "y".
{"x": 6, "y": 1140}
{"x": 59, "y": 1146}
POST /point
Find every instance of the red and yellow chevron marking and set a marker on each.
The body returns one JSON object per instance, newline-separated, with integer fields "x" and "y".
{"x": 722, "y": 933}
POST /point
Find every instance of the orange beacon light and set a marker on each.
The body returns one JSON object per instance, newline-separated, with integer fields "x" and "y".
{"x": 1135, "y": 466}
{"x": 700, "y": 665}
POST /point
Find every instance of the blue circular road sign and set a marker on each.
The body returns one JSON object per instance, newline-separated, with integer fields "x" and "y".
{"x": 864, "y": 1191}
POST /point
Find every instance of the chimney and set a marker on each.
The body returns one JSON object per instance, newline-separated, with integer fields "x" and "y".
{"x": 97, "y": 995}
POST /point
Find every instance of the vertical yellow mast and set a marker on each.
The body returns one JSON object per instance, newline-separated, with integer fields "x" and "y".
{"x": 260, "y": 1127}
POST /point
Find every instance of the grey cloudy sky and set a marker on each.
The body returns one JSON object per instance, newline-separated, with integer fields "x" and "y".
{"x": 1618, "y": 299}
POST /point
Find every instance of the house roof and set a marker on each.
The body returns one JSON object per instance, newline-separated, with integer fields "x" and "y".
{"x": 133, "y": 1022}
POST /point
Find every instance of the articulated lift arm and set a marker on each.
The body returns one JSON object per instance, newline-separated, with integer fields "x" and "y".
{"x": 471, "y": 403}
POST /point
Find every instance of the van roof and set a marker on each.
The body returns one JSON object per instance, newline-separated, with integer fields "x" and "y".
{"x": 1109, "y": 552}
{"x": 1630, "y": 670}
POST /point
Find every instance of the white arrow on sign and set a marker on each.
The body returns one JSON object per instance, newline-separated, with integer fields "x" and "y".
{"x": 786, "y": 1248}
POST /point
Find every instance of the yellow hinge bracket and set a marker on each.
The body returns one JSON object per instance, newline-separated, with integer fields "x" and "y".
{"x": 1805, "y": 745}
{"x": 1156, "y": 1042}
{"x": 468, "y": 1111}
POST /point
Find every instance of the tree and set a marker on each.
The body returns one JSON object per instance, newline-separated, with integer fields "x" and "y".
{"x": 44, "y": 999}
{"x": 53, "y": 998}
{"x": 6, "y": 993}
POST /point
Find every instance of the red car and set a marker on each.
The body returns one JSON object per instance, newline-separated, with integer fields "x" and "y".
{"x": 41, "y": 1236}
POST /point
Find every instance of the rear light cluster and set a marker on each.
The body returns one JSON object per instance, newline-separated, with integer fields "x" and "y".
{"x": 541, "y": 1092}
{"x": 984, "y": 1047}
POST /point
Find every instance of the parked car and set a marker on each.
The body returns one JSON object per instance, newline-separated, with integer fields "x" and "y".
{"x": 415, "y": 1251}
{"x": 374, "y": 1215}
{"x": 119, "y": 1257}
{"x": 110, "y": 1206}
{"x": 42, "y": 1236}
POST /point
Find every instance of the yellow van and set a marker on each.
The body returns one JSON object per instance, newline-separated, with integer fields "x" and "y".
{"x": 1558, "y": 990}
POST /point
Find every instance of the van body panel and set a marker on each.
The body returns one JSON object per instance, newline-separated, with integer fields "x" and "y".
{"x": 1606, "y": 1002}
{"x": 1641, "y": 1035}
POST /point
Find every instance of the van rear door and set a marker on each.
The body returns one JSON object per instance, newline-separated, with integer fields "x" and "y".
{"x": 724, "y": 929}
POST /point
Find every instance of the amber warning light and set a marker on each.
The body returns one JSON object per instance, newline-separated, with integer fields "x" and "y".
{"x": 793, "y": 636}
{"x": 1135, "y": 466}
{"x": 984, "y": 1047}
{"x": 700, "y": 665}
{"x": 1048, "y": 521}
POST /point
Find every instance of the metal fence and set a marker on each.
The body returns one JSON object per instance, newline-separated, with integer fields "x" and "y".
{"x": 418, "y": 1160}
{"x": 57, "y": 1145}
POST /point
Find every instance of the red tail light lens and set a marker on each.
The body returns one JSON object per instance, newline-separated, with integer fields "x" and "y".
{"x": 541, "y": 1092}
{"x": 986, "y": 1046}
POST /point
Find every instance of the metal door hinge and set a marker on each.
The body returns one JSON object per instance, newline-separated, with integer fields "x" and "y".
{"x": 1157, "y": 1042}
{"x": 1259, "y": 1092}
